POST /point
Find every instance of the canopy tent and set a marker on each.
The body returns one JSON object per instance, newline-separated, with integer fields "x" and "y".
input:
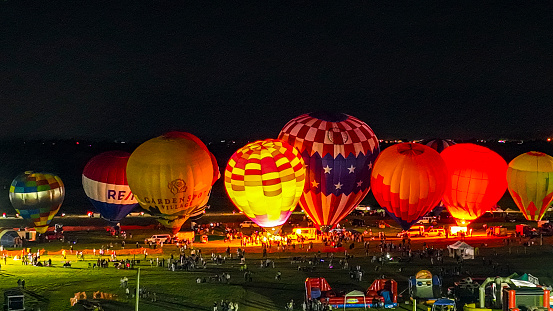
{"x": 461, "y": 249}
{"x": 8, "y": 238}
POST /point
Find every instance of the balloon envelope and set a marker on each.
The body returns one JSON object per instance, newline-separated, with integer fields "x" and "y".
{"x": 105, "y": 183}
{"x": 476, "y": 180}
{"x": 338, "y": 151}
{"x": 170, "y": 175}
{"x": 38, "y": 197}
{"x": 439, "y": 144}
{"x": 265, "y": 179}
{"x": 530, "y": 183}
{"x": 408, "y": 180}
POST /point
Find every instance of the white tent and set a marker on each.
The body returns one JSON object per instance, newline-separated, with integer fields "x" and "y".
{"x": 462, "y": 249}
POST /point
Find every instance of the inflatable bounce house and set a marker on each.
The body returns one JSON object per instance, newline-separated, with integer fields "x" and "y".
{"x": 425, "y": 286}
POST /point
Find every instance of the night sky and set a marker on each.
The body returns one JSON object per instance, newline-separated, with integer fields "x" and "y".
{"x": 134, "y": 70}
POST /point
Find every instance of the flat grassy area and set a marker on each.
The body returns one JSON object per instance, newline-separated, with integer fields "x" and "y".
{"x": 51, "y": 288}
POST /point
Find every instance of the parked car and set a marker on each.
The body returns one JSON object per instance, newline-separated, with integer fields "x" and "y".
{"x": 247, "y": 224}
{"x": 412, "y": 232}
{"x": 158, "y": 238}
{"x": 434, "y": 232}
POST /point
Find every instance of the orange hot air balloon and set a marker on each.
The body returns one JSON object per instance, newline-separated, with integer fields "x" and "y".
{"x": 265, "y": 180}
{"x": 408, "y": 180}
{"x": 530, "y": 182}
{"x": 170, "y": 176}
{"x": 476, "y": 181}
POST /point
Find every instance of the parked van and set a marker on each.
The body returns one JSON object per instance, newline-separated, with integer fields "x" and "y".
{"x": 158, "y": 238}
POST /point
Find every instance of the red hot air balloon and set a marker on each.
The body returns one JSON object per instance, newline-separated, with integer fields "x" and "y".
{"x": 408, "y": 180}
{"x": 339, "y": 151}
{"x": 476, "y": 181}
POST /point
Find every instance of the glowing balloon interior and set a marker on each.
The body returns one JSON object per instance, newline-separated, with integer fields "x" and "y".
{"x": 408, "y": 180}
{"x": 38, "y": 197}
{"x": 265, "y": 179}
{"x": 530, "y": 182}
{"x": 339, "y": 151}
{"x": 476, "y": 181}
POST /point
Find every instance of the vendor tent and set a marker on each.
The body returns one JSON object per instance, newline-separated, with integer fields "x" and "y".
{"x": 9, "y": 238}
{"x": 461, "y": 249}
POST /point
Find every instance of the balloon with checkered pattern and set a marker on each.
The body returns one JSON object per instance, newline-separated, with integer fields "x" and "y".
{"x": 339, "y": 151}
{"x": 38, "y": 197}
{"x": 265, "y": 179}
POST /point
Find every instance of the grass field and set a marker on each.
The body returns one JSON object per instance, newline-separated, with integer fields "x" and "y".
{"x": 51, "y": 288}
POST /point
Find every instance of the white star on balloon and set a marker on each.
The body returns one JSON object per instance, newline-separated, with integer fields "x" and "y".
{"x": 315, "y": 184}
{"x": 338, "y": 186}
{"x": 351, "y": 169}
{"x": 359, "y": 183}
{"x": 370, "y": 165}
{"x": 327, "y": 169}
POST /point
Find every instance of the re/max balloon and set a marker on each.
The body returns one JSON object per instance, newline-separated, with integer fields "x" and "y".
{"x": 170, "y": 175}
{"x": 338, "y": 151}
{"x": 105, "y": 183}
{"x": 38, "y": 197}
{"x": 265, "y": 179}
{"x": 530, "y": 182}
{"x": 476, "y": 181}
{"x": 408, "y": 180}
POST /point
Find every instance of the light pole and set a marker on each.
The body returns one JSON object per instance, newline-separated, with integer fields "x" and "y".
{"x": 137, "y": 290}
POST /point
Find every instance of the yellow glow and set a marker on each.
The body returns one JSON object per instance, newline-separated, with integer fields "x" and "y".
{"x": 458, "y": 229}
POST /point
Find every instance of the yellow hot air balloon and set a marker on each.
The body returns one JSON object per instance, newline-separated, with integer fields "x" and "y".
{"x": 530, "y": 183}
{"x": 265, "y": 180}
{"x": 170, "y": 176}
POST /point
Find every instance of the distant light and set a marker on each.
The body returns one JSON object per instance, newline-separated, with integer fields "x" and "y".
{"x": 501, "y": 141}
{"x": 16, "y": 215}
{"x": 62, "y": 214}
{"x": 77, "y": 142}
{"x": 549, "y": 139}
{"x": 4, "y": 215}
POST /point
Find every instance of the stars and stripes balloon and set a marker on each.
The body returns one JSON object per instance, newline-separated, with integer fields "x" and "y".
{"x": 530, "y": 183}
{"x": 476, "y": 181}
{"x": 265, "y": 179}
{"x": 408, "y": 180}
{"x": 105, "y": 183}
{"x": 439, "y": 144}
{"x": 170, "y": 176}
{"x": 338, "y": 151}
{"x": 38, "y": 197}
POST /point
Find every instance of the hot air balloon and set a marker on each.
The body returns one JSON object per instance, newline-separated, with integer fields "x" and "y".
{"x": 37, "y": 196}
{"x": 476, "y": 181}
{"x": 265, "y": 179}
{"x": 439, "y": 144}
{"x": 408, "y": 180}
{"x": 105, "y": 183}
{"x": 530, "y": 182}
{"x": 170, "y": 175}
{"x": 339, "y": 151}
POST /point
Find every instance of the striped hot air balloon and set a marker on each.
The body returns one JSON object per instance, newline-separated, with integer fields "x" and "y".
{"x": 408, "y": 180}
{"x": 476, "y": 181}
{"x": 339, "y": 151}
{"x": 265, "y": 179}
{"x": 439, "y": 144}
{"x": 105, "y": 183}
{"x": 530, "y": 183}
{"x": 38, "y": 197}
